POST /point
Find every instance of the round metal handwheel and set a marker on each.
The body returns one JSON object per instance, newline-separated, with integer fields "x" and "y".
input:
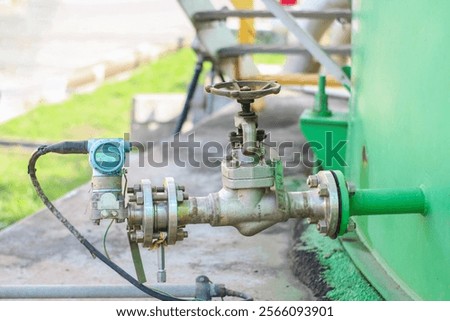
{"x": 245, "y": 90}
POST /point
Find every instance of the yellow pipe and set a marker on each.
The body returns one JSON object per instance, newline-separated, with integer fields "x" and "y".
{"x": 296, "y": 79}
{"x": 247, "y": 25}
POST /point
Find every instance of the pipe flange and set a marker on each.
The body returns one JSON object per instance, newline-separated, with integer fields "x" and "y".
{"x": 149, "y": 213}
{"x": 328, "y": 190}
{"x": 344, "y": 204}
{"x": 172, "y": 209}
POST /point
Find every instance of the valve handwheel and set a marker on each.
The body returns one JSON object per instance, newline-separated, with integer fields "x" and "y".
{"x": 245, "y": 90}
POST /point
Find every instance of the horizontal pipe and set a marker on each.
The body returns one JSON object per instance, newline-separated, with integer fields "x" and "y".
{"x": 238, "y": 50}
{"x": 249, "y": 210}
{"x": 91, "y": 291}
{"x": 204, "y": 16}
{"x": 296, "y": 79}
{"x": 387, "y": 201}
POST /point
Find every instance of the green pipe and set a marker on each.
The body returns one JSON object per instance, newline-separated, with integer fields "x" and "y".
{"x": 321, "y": 98}
{"x": 387, "y": 201}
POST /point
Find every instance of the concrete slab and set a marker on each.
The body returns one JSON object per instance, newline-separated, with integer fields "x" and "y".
{"x": 38, "y": 250}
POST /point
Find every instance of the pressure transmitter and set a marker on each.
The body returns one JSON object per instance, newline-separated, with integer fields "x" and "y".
{"x": 107, "y": 158}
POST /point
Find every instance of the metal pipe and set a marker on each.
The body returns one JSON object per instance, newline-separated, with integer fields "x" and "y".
{"x": 387, "y": 201}
{"x": 238, "y": 50}
{"x": 301, "y": 205}
{"x": 204, "y": 16}
{"x": 301, "y": 80}
{"x": 90, "y": 291}
{"x": 248, "y": 210}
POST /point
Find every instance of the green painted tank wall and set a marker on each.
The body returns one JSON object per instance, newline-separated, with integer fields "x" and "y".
{"x": 399, "y": 134}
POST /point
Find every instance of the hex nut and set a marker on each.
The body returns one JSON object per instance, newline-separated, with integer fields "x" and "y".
{"x": 322, "y": 227}
{"x": 312, "y": 181}
{"x": 139, "y": 236}
{"x": 180, "y": 196}
{"x": 139, "y": 198}
{"x": 351, "y": 226}
{"x": 312, "y": 220}
{"x": 181, "y": 235}
{"x": 351, "y": 188}
{"x": 323, "y": 190}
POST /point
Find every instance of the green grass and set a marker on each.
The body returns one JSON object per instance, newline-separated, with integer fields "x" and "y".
{"x": 106, "y": 112}
{"x": 58, "y": 174}
{"x": 103, "y": 113}
{"x": 269, "y": 59}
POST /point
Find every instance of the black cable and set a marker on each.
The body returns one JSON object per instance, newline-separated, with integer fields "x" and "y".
{"x": 81, "y": 148}
{"x": 190, "y": 94}
{"x": 237, "y": 294}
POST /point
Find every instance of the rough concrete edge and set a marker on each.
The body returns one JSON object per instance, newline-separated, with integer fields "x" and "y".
{"x": 96, "y": 74}
{"x": 117, "y": 63}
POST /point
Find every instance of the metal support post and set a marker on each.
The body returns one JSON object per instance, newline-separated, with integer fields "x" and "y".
{"x": 190, "y": 94}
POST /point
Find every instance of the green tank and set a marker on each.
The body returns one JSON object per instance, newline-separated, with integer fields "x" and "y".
{"x": 398, "y": 131}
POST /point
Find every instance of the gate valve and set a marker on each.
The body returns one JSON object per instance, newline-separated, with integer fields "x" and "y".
{"x": 246, "y": 166}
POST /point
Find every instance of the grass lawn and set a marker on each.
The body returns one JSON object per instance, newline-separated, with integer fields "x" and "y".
{"x": 103, "y": 113}
{"x": 269, "y": 59}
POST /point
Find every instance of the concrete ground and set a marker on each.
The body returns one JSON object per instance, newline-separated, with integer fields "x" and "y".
{"x": 39, "y": 250}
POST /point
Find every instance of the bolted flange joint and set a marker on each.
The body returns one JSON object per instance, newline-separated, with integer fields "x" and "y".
{"x": 328, "y": 206}
{"x": 153, "y": 213}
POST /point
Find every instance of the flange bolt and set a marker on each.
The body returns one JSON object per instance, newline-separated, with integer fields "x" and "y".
{"x": 351, "y": 226}
{"x": 312, "y": 181}
{"x": 323, "y": 190}
{"x": 322, "y": 227}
